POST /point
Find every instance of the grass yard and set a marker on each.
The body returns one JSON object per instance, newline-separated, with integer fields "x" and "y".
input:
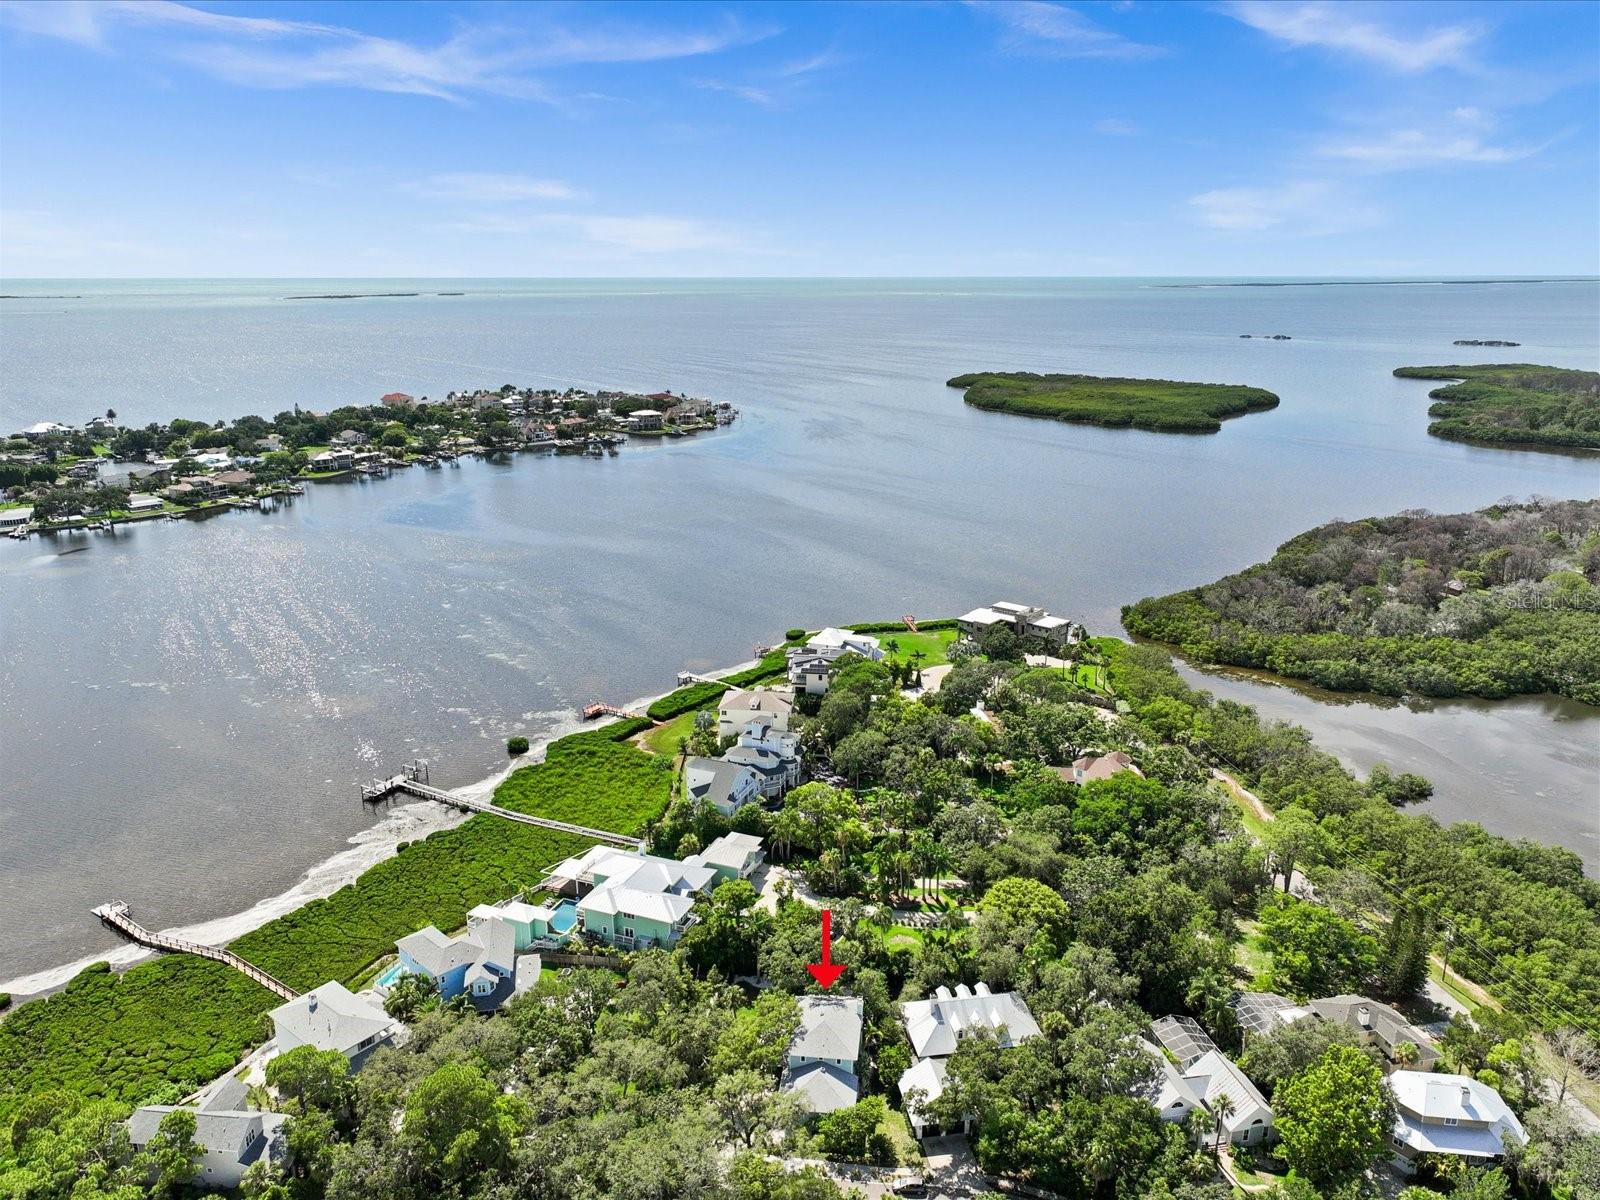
{"x": 686, "y": 699}
{"x": 178, "y": 1020}
{"x": 934, "y": 644}
{"x": 1091, "y": 677}
{"x": 1253, "y": 957}
{"x": 663, "y": 739}
{"x": 594, "y": 778}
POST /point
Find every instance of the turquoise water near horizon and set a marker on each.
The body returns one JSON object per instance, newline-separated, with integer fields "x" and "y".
{"x": 186, "y": 708}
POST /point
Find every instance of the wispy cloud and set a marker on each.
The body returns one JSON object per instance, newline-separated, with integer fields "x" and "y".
{"x": 273, "y": 53}
{"x": 1405, "y": 149}
{"x": 777, "y": 85}
{"x": 482, "y": 187}
{"x": 1338, "y": 27}
{"x": 1056, "y": 31}
{"x": 1305, "y": 208}
{"x": 1116, "y": 127}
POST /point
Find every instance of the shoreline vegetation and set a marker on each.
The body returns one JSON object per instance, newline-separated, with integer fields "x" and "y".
{"x": 1102, "y": 903}
{"x": 58, "y": 477}
{"x": 1495, "y": 603}
{"x": 1157, "y": 405}
{"x": 1513, "y": 404}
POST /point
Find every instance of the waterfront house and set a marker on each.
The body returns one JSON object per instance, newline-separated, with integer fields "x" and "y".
{"x": 214, "y": 460}
{"x": 1449, "y": 1114}
{"x": 631, "y": 899}
{"x": 43, "y": 430}
{"x": 772, "y": 754}
{"x": 1378, "y": 1025}
{"x": 350, "y": 437}
{"x": 15, "y": 518}
{"x": 1099, "y": 766}
{"x": 270, "y": 444}
{"x": 234, "y": 480}
{"x": 810, "y": 674}
{"x": 830, "y": 643}
{"x": 482, "y": 964}
{"x": 726, "y": 786}
{"x": 645, "y": 418}
{"x": 820, "y": 1071}
{"x": 180, "y": 493}
{"x": 935, "y": 1028}
{"x": 731, "y": 856}
{"x": 143, "y": 502}
{"x": 231, "y": 1140}
{"x": 739, "y": 706}
{"x": 201, "y": 487}
{"x": 332, "y": 1017}
{"x": 1212, "y": 1076}
{"x": 1024, "y": 620}
{"x": 333, "y": 460}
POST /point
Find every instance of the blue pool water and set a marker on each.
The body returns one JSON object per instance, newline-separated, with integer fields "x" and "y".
{"x": 563, "y": 916}
{"x": 390, "y": 974}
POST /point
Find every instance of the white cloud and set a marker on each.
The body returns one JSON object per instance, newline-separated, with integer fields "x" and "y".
{"x": 272, "y": 53}
{"x": 1308, "y": 207}
{"x": 773, "y": 88}
{"x": 1408, "y": 148}
{"x": 1338, "y": 27}
{"x": 1116, "y": 127}
{"x": 481, "y": 187}
{"x": 1056, "y": 31}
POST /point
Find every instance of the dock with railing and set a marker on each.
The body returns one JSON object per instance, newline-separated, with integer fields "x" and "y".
{"x": 118, "y": 916}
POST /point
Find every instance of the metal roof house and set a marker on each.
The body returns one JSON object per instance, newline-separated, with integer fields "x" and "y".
{"x": 482, "y": 964}
{"x": 935, "y": 1028}
{"x": 1213, "y": 1076}
{"x": 1450, "y": 1114}
{"x": 821, "y": 1067}
{"x": 632, "y": 899}
{"x": 731, "y": 856}
{"x": 1175, "y": 1096}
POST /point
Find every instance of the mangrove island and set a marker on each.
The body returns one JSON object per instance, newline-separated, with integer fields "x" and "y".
{"x": 1514, "y": 404}
{"x": 1159, "y": 405}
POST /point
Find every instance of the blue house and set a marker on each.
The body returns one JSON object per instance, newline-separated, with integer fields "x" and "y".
{"x": 482, "y": 963}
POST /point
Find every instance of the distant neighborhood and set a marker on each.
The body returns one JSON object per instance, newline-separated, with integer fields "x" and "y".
{"x": 55, "y": 476}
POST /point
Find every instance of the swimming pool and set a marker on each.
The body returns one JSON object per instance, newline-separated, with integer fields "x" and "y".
{"x": 563, "y": 916}
{"x": 390, "y": 974}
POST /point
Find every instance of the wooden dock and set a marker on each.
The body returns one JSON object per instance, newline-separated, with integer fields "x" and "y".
{"x": 611, "y": 710}
{"x": 117, "y": 915}
{"x": 425, "y": 791}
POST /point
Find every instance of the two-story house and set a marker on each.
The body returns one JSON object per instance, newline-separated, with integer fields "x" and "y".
{"x": 771, "y": 753}
{"x": 631, "y": 899}
{"x": 821, "y": 1070}
{"x": 935, "y": 1028}
{"x": 1449, "y": 1114}
{"x": 726, "y": 786}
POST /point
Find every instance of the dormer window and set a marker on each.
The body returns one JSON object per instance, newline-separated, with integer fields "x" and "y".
{"x": 1451, "y": 1121}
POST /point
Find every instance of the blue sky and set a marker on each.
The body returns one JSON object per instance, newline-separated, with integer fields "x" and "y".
{"x": 147, "y": 138}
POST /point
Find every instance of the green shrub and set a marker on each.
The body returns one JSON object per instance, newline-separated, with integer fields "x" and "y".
{"x": 685, "y": 699}
{"x": 793, "y": 635}
{"x": 517, "y": 745}
{"x": 5, "y": 1001}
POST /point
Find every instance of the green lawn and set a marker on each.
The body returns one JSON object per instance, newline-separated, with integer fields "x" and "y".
{"x": 1253, "y": 957}
{"x": 1091, "y": 677}
{"x": 663, "y": 739}
{"x": 934, "y": 644}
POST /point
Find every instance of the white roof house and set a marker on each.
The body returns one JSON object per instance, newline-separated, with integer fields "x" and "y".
{"x": 1175, "y": 1096}
{"x": 43, "y": 428}
{"x": 821, "y": 1068}
{"x": 831, "y": 643}
{"x": 936, "y": 1026}
{"x": 1212, "y": 1076}
{"x": 15, "y": 516}
{"x": 731, "y": 856}
{"x": 1025, "y": 620}
{"x": 332, "y": 1017}
{"x": 629, "y": 890}
{"x": 142, "y": 501}
{"x": 233, "y": 1140}
{"x": 1450, "y": 1114}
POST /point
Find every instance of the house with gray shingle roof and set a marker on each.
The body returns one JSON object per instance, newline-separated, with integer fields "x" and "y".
{"x": 332, "y": 1017}
{"x": 232, "y": 1140}
{"x": 821, "y": 1068}
{"x": 726, "y": 786}
{"x": 481, "y": 964}
{"x": 1377, "y": 1025}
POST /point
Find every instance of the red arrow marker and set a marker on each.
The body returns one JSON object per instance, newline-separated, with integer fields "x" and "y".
{"x": 827, "y": 970}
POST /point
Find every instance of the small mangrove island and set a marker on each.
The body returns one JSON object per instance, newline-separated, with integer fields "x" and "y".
{"x": 1496, "y": 603}
{"x": 1159, "y": 405}
{"x": 1514, "y": 404}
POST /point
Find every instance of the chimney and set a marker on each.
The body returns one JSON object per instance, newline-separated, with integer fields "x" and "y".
{"x": 1365, "y": 1015}
{"x": 1466, "y": 1096}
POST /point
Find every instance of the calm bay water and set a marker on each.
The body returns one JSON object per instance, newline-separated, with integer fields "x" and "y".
{"x": 186, "y": 708}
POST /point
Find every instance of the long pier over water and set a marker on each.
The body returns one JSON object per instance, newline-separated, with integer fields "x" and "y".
{"x": 117, "y": 915}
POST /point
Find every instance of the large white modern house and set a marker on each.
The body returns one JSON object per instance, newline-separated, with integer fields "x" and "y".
{"x": 1024, "y": 620}
{"x": 810, "y": 666}
{"x": 935, "y": 1028}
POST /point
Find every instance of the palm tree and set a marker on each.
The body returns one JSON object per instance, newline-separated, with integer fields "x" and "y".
{"x": 1405, "y": 1054}
{"x": 787, "y": 825}
{"x": 1223, "y": 1108}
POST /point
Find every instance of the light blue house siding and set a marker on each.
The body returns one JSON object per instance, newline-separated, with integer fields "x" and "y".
{"x": 611, "y": 926}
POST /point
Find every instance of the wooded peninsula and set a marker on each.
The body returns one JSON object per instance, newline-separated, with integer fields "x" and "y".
{"x": 1494, "y": 603}
{"x": 1514, "y": 404}
{"x": 1160, "y": 405}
